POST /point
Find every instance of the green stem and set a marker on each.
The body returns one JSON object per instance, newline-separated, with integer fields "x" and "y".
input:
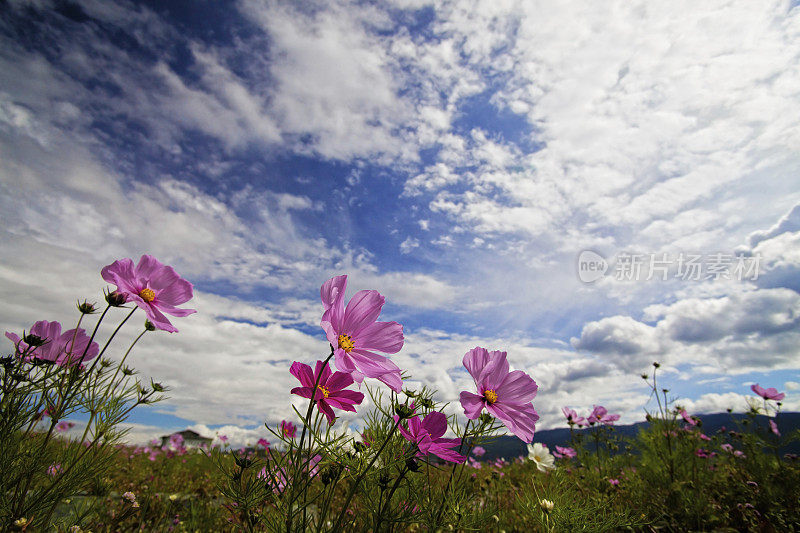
{"x": 353, "y": 488}
{"x": 297, "y": 456}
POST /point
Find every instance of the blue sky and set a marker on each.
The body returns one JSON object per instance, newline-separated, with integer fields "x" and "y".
{"x": 457, "y": 157}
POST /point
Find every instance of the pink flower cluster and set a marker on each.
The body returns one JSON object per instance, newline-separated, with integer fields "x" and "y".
{"x": 46, "y": 343}
{"x": 599, "y": 415}
{"x": 356, "y": 336}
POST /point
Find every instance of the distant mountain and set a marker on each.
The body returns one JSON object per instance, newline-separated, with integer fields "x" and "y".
{"x": 511, "y": 447}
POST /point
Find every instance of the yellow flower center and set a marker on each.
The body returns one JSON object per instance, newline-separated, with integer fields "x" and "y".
{"x": 147, "y": 295}
{"x": 346, "y": 343}
{"x": 325, "y": 392}
{"x": 490, "y": 395}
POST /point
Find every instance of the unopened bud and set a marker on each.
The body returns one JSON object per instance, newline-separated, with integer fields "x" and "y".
{"x": 403, "y": 411}
{"x": 645, "y": 377}
{"x": 656, "y": 364}
{"x": 486, "y": 418}
{"x": 33, "y": 341}
{"x": 412, "y": 464}
{"x": 426, "y": 403}
{"x": 149, "y": 326}
{"x": 127, "y": 371}
{"x": 116, "y": 299}
{"x": 383, "y": 481}
{"x": 86, "y": 308}
{"x": 546, "y": 505}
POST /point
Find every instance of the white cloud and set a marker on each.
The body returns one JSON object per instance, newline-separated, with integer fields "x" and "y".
{"x": 408, "y": 245}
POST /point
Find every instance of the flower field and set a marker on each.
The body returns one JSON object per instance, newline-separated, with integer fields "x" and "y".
{"x": 411, "y": 468}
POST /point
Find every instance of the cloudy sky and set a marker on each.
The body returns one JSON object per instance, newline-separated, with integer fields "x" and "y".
{"x": 456, "y": 156}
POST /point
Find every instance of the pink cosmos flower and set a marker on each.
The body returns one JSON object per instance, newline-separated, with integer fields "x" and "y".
{"x": 688, "y": 419}
{"x": 288, "y": 429}
{"x": 739, "y": 453}
{"x": 572, "y": 417}
{"x": 264, "y": 443}
{"x": 64, "y": 349}
{"x": 478, "y": 451}
{"x": 427, "y": 435}
{"x": 505, "y": 395}
{"x": 330, "y": 389}
{"x": 64, "y": 426}
{"x": 727, "y": 447}
{"x": 600, "y": 415}
{"x": 614, "y": 482}
{"x": 355, "y": 335}
{"x": 154, "y": 287}
{"x": 768, "y": 394}
{"x": 223, "y": 438}
{"x": 774, "y": 428}
{"x": 566, "y": 452}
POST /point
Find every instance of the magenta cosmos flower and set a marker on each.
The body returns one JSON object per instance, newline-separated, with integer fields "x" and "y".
{"x": 600, "y": 416}
{"x": 768, "y": 394}
{"x": 64, "y": 349}
{"x": 505, "y": 395}
{"x": 572, "y": 417}
{"x": 288, "y": 429}
{"x": 154, "y": 287}
{"x": 355, "y": 335}
{"x": 427, "y": 435}
{"x": 688, "y": 419}
{"x": 330, "y": 388}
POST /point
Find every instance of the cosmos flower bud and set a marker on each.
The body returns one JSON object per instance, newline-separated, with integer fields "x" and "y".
{"x": 403, "y": 411}
{"x": 86, "y": 308}
{"x": 486, "y": 418}
{"x": 656, "y": 364}
{"x": 116, "y": 299}
{"x": 383, "y": 481}
{"x": 33, "y": 340}
{"x": 243, "y": 462}
{"x": 412, "y": 464}
{"x": 149, "y": 326}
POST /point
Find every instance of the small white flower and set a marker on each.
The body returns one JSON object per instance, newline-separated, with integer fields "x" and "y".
{"x": 541, "y": 456}
{"x": 547, "y": 506}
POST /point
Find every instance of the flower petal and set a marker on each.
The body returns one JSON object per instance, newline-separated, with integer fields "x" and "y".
{"x": 519, "y": 419}
{"x": 148, "y": 267}
{"x": 327, "y": 411}
{"x": 175, "y": 293}
{"x": 332, "y": 291}
{"x": 474, "y": 361}
{"x": 384, "y": 337}
{"x": 344, "y": 361}
{"x": 435, "y": 424}
{"x": 338, "y": 381}
{"x": 494, "y": 372}
{"x": 362, "y": 310}
{"x": 379, "y": 367}
{"x": 121, "y": 274}
{"x": 472, "y": 404}
{"x": 303, "y": 373}
{"x": 517, "y": 387}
